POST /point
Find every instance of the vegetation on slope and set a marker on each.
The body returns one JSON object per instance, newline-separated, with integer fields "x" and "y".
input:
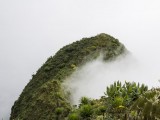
{"x": 43, "y": 98}
{"x": 121, "y": 102}
{"x": 115, "y": 105}
{"x": 147, "y": 107}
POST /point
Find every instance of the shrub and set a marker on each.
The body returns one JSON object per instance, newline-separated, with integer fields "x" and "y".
{"x": 86, "y": 111}
{"x": 73, "y": 116}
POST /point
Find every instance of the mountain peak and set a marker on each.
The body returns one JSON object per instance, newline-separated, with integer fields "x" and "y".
{"x": 43, "y": 97}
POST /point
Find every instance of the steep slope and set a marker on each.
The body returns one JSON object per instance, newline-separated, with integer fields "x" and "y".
{"x": 43, "y": 98}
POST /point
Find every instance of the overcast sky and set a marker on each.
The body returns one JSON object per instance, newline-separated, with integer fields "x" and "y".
{"x": 33, "y": 30}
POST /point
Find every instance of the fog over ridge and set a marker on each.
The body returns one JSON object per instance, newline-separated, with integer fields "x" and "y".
{"x": 92, "y": 79}
{"x": 33, "y": 30}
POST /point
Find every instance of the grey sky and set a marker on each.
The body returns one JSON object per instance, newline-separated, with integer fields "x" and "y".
{"x": 33, "y": 30}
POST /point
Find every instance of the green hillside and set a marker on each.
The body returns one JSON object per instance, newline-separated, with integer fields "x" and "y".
{"x": 43, "y": 97}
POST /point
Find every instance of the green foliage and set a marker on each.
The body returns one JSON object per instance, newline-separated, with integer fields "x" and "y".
{"x": 59, "y": 111}
{"x": 43, "y": 94}
{"x": 147, "y": 106}
{"x": 124, "y": 95}
{"x": 120, "y": 97}
{"x": 102, "y": 109}
{"x": 44, "y": 98}
{"x": 118, "y": 101}
{"x": 48, "y": 100}
{"x": 86, "y": 111}
{"x": 74, "y": 116}
{"x": 116, "y": 105}
{"x": 84, "y": 101}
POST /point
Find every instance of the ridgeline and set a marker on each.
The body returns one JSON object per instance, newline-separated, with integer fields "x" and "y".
{"x": 43, "y": 98}
{"x": 43, "y": 94}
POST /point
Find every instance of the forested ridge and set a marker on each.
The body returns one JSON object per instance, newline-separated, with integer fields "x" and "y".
{"x": 44, "y": 98}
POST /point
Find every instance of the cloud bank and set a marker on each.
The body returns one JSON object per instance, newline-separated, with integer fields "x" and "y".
{"x": 92, "y": 79}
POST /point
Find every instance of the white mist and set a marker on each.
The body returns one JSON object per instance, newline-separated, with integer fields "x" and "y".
{"x": 92, "y": 79}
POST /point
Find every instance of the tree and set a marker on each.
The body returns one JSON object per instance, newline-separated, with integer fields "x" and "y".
{"x": 86, "y": 112}
{"x": 85, "y": 100}
{"x": 119, "y": 98}
{"x": 73, "y": 116}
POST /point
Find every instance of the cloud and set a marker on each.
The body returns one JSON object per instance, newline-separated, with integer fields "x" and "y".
{"x": 92, "y": 79}
{"x": 32, "y": 30}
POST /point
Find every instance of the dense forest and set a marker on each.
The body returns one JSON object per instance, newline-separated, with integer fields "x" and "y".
{"x": 44, "y": 98}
